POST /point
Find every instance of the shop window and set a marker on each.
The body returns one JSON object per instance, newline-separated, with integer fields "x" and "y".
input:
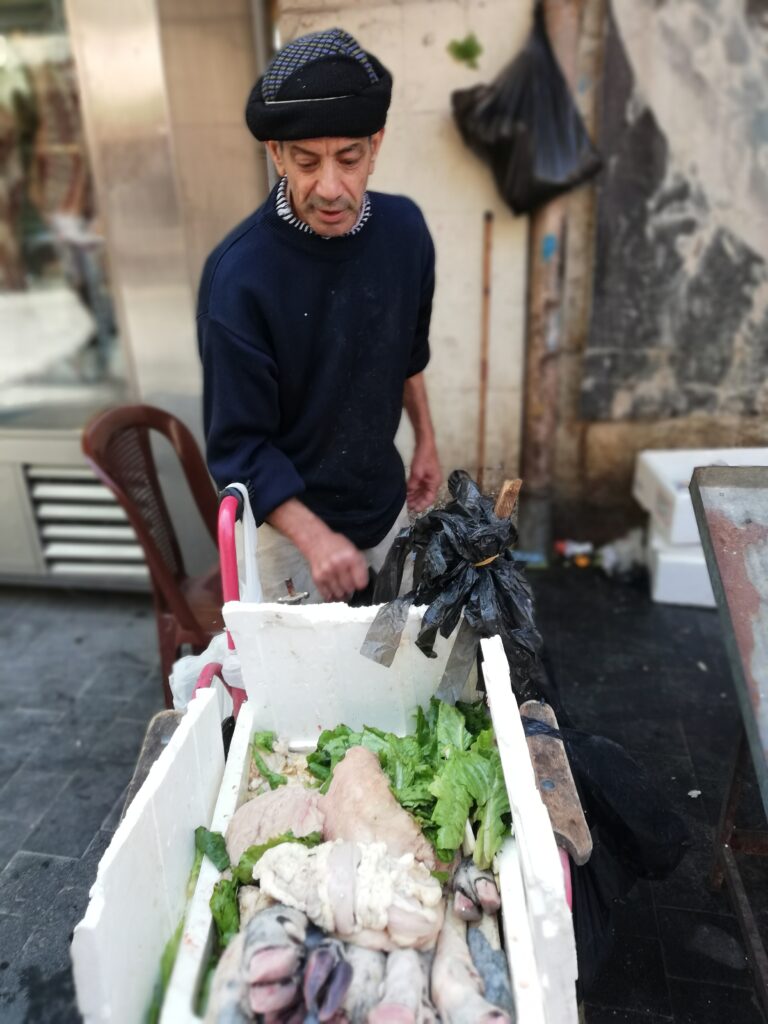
{"x": 60, "y": 355}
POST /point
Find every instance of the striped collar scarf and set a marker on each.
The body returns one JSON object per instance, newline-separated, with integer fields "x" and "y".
{"x": 285, "y": 212}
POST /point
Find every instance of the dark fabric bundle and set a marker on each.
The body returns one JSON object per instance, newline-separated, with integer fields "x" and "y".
{"x": 463, "y": 564}
{"x": 320, "y": 85}
{"x": 635, "y": 834}
{"x": 526, "y": 127}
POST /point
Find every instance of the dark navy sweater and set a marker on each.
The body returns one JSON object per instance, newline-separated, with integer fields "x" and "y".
{"x": 306, "y": 343}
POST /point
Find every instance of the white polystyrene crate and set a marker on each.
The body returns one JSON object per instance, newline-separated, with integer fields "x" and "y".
{"x": 139, "y": 894}
{"x": 540, "y": 868}
{"x": 537, "y": 922}
{"x": 294, "y": 645}
{"x": 679, "y": 573}
{"x": 661, "y": 485}
{"x": 197, "y": 939}
{"x": 303, "y": 670}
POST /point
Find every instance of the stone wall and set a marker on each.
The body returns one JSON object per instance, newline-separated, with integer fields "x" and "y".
{"x": 674, "y": 349}
{"x": 424, "y": 158}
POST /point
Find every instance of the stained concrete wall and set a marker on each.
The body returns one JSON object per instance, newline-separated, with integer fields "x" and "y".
{"x": 210, "y": 66}
{"x": 666, "y": 336}
{"x": 424, "y": 158}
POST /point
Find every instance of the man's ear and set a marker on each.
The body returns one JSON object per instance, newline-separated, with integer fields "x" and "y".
{"x": 275, "y": 150}
{"x": 376, "y": 141}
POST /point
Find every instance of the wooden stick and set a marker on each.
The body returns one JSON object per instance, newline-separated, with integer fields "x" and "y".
{"x": 546, "y": 261}
{"x": 507, "y": 498}
{"x": 484, "y": 344}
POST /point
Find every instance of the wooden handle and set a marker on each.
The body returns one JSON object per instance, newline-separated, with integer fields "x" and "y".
{"x": 556, "y": 786}
{"x": 507, "y": 499}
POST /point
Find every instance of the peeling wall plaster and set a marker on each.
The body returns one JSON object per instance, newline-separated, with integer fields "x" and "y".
{"x": 680, "y": 316}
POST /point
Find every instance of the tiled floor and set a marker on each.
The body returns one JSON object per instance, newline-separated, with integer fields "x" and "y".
{"x": 656, "y": 679}
{"x": 81, "y": 681}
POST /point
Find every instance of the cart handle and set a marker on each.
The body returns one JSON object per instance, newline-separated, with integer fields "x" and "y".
{"x": 213, "y": 670}
{"x": 230, "y": 510}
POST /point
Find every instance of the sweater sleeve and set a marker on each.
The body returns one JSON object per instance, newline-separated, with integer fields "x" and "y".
{"x": 241, "y": 415}
{"x": 420, "y": 349}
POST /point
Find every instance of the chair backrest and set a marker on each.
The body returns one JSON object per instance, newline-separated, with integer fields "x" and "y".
{"x": 117, "y": 445}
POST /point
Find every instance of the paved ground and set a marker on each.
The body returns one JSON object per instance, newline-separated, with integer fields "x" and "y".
{"x": 656, "y": 680}
{"x": 81, "y": 681}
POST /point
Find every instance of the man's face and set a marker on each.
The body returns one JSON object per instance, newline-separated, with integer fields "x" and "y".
{"x": 327, "y": 178}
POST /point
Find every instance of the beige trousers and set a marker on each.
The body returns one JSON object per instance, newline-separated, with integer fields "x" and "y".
{"x": 279, "y": 560}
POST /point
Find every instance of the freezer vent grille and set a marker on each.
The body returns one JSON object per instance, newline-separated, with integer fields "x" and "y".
{"x": 83, "y": 531}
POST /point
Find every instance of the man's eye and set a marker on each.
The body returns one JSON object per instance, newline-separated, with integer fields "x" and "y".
{"x": 306, "y": 167}
{"x": 352, "y": 162}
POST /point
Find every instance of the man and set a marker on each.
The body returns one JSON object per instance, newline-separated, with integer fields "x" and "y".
{"x": 313, "y": 323}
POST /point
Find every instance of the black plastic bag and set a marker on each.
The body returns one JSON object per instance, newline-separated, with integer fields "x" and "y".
{"x": 463, "y": 567}
{"x": 527, "y": 128}
{"x": 640, "y": 826}
{"x": 635, "y": 834}
{"x": 596, "y": 887}
{"x": 638, "y": 823}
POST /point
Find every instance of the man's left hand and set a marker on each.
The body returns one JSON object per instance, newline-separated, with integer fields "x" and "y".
{"x": 426, "y": 476}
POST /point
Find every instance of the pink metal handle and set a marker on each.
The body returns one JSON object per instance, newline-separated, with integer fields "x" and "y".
{"x": 230, "y": 584}
{"x": 230, "y": 590}
{"x": 213, "y": 671}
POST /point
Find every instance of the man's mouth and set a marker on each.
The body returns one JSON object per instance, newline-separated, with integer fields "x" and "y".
{"x": 332, "y": 216}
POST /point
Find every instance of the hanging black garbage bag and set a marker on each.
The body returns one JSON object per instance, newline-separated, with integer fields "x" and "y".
{"x": 527, "y": 128}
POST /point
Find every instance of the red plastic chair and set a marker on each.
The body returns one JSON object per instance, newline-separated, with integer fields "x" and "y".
{"x": 116, "y": 444}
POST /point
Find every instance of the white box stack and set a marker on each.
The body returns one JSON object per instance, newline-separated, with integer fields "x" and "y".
{"x": 675, "y": 556}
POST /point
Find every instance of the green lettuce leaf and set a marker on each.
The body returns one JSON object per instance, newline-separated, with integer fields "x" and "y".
{"x": 274, "y": 779}
{"x": 464, "y": 779}
{"x": 225, "y": 910}
{"x": 331, "y": 748}
{"x": 426, "y": 725}
{"x": 213, "y": 846}
{"x": 491, "y": 816}
{"x": 167, "y": 960}
{"x": 243, "y": 872}
{"x": 476, "y": 715}
{"x": 485, "y": 743}
{"x": 265, "y": 740}
{"x": 452, "y": 730}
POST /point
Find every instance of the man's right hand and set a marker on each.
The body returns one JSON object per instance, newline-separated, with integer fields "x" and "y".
{"x": 337, "y": 566}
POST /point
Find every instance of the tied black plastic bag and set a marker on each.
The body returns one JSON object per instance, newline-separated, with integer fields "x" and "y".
{"x": 464, "y": 571}
{"x": 527, "y": 128}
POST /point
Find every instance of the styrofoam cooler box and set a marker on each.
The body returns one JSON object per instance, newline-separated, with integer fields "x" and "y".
{"x": 303, "y": 672}
{"x": 139, "y": 894}
{"x": 661, "y": 485}
{"x": 679, "y": 573}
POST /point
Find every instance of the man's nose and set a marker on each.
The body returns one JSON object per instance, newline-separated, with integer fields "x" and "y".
{"x": 329, "y": 182}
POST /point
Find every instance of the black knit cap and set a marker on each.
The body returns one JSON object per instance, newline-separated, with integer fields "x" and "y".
{"x": 322, "y": 84}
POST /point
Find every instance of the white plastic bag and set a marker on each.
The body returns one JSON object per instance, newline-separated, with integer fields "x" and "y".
{"x": 186, "y": 671}
{"x": 247, "y": 566}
